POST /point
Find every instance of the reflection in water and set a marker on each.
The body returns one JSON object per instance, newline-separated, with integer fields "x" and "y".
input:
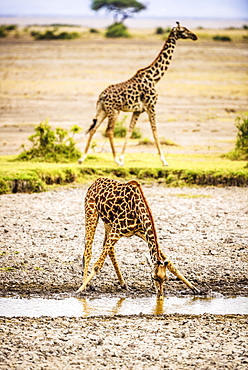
{"x": 85, "y": 307}
{"x": 159, "y": 307}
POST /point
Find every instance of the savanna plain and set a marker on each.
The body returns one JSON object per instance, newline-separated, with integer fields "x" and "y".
{"x": 203, "y": 230}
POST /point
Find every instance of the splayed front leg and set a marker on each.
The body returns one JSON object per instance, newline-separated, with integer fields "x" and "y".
{"x": 178, "y": 274}
{"x": 87, "y": 280}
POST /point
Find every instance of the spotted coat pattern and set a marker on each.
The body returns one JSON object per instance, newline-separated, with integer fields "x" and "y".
{"x": 137, "y": 95}
{"x": 125, "y": 212}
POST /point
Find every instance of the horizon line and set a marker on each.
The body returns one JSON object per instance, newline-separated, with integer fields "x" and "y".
{"x": 105, "y": 17}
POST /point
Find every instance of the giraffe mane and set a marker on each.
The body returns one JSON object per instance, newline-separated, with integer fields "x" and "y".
{"x": 137, "y": 185}
{"x": 144, "y": 68}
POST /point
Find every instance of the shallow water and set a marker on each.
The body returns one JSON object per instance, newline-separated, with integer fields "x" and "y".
{"x": 78, "y": 307}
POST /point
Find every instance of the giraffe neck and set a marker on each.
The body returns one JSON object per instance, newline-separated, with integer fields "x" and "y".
{"x": 156, "y": 69}
{"x": 154, "y": 250}
{"x": 144, "y": 213}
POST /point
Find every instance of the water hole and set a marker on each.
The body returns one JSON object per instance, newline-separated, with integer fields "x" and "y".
{"x": 86, "y": 307}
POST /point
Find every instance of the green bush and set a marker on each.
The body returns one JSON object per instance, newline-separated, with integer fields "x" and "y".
{"x": 3, "y": 32}
{"x": 159, "y": 31}
{"x": 136, "y": 134}
{"x": 93, "y": 30}
{"x": 68, "y": 35}
{"x": 117, "y": 30}
{"x": 52, "y": 35}
{"x": 146, "y": 141}
{"x": 241, "y": 147}
{"x": 222, "y": 38}
{"x": 52, "y": 146}
{"x": 120, "y": 130}
{"x": 11, "y": 27}
{"x": 4, "y": 29}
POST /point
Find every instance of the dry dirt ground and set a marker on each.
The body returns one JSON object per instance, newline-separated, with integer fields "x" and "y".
{"x": 204, "y": 230}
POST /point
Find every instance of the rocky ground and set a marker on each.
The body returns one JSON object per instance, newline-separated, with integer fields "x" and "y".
{"x": 202, "y": 230}
{"x": 166, "y": 342}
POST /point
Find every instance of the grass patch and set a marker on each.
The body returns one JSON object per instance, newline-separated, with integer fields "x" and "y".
{"x": 241, "y": 147}
{"x": 8, "y": 268}
{"x": 184, "y": 170}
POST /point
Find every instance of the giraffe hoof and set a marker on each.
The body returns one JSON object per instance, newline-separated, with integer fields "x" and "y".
{"x": 81, "y": 289}
{"x": 120, "y": 161}
{"x": 124, "y": 286}
{"x": 80, "y": 161}
{"x": 160, "y": 297}
{"x": 196, "y": 291}
{"x": 164, "y": 161}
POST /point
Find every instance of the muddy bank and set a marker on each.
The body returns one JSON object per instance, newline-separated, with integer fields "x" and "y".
{"x": 136, "y": 342}
{"x": 203, "y": 231}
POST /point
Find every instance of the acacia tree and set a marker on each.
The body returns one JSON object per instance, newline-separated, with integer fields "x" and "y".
{"x": 123, "y": 8}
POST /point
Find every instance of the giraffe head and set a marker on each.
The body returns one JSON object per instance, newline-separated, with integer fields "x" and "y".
{"x": 183, "y": 33}
{"x": 159, "y": 275}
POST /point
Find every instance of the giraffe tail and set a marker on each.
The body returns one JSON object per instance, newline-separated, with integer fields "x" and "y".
{"x": 92, "y": 126}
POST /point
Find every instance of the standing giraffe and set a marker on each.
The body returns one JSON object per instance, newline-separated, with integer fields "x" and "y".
{"x": 136, "y": 95}
{"x": 125, "y": 212}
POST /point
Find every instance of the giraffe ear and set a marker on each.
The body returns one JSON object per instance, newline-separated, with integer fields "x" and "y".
{"x": 178, "y": 25}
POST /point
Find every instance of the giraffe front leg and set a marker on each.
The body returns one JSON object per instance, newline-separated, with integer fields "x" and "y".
{"x": 97, "y": 267}
{"x": 178, "y": 274}
{"x": 152, "y": 119}
{"x": 111, "y": 239}
{"x": 86, "y": 260}
{"x": 91, "y": 220}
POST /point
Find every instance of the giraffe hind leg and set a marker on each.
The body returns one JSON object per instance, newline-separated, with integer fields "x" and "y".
{"x": 101, "y": 115}
{"x": 110, "y": 242}
{"x": 112, "y": 118}
{"x": 152, "y": 119}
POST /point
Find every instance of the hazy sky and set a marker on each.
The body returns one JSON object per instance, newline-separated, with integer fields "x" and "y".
{"x": 156, "y": 8}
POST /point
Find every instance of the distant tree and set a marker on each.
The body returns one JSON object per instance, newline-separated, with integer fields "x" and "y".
{"x": 123, "y": 8}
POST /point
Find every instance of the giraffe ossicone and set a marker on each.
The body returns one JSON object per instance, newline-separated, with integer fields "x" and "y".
{"x": 136, "y": 95}
{"x": 124, "y": 210}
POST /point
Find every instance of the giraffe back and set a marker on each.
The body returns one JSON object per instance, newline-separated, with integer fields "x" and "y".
{"x": 123, "y": 205}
